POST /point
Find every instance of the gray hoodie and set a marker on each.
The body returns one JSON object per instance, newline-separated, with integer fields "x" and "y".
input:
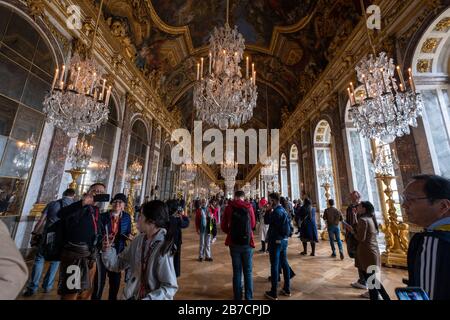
{"x": 162, "y": 280}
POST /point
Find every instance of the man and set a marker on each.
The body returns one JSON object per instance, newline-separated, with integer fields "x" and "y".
{"x": 13, "y": 270}
{"x": 263, "y": 227}
{"x": 333, "y": 217}
{"x": 202, "y": 223}
{"x": 48, "y": 217}
{"x": 277, "y": 237}
{"x": 426, "y": 201}
{"x": 81, "y": 234}
{"x": 238, "y": 223}
{"x": 117, "y": 227}
{"x": 352, "y": 220}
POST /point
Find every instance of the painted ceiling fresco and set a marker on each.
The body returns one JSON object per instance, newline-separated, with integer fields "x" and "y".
{"x": 290, "y": 65}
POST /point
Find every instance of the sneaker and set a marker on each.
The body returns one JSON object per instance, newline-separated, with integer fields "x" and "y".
{"x": 209, "y": 259}
{"x": 365, "y": 295}
{"x": 341, "y": 254}
{"x": 358, "y": 285}
{"x": 214, "y": 240}
{"x": 285, "y": 293}
{"x": 333, "y": 255}
{"x": 270, "y": 295}
{"x": 304, "y": 253}
{"x": 200, "y": 259}
{"x": 28, "y": 293}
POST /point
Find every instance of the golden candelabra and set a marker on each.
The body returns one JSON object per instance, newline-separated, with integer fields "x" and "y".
{"x": 130, "y": 206}
{"x": 75, "y": 173}
{"x": 396, "y": 233}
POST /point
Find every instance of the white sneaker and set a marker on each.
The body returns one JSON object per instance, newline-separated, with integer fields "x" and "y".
{"x": 358, "y": 285}
{"x": 365, "y": 295}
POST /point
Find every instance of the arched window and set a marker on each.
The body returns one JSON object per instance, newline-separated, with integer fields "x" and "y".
{"x": 27, "y": 65}
{"x": 284, "y": 176}
{"x": 103, "y": 142}
{"x": 137, "y": 150}
{"x": 431, "y": 65}
{"x": 323, "y": 161}
{"x": 166, "y": 178}
{"x": 295, "y": 179}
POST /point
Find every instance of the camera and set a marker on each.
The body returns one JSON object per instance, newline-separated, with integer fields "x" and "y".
{"x": 101, "y": 198}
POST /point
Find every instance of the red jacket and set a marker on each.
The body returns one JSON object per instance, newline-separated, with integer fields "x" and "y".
{"x": 209, "y": 211}
{"x": 226, "y": 219}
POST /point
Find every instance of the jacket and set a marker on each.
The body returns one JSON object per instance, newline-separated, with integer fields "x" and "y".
{"x": 13, "y": 270}
{"x": 332, "y": 216}
{"x": 124, "y": 229}
{"x": 162, "y": 280}
{"x": 367, "y": 251}
{"x": 198, "y": 219}
{"x": 429, "y": 262}
{"x": 51, "y": 210}
{"x": 225, "y": 224}
{"x": 179, "y": 223}
{"x": 276, "y": 219}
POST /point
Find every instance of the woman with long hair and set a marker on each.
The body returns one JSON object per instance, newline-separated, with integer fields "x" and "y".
{"x": 367, "y": 258}
{"x": 149, "y": 256}
{"x": 308, "y": 227}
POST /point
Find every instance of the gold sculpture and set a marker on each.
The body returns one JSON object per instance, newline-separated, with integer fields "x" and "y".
{"x": 396, "y": 233}
{"x": 75, "y": 173}
{"x": 130, "y": 206}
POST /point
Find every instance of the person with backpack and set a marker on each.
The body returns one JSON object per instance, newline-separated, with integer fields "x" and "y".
{"x": 204, "y": 230}
{"x": 238, "y": 223}
{"x": 277, "y": 237}
{"x": 426, "y": 201}
{"x": 48, "y": 217}
{"x": 80, "y": 239}
{"x": 117, "y": 227}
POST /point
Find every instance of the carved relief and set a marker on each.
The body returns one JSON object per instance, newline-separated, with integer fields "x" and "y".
{"x": 424, "y": 65}
{"x": 430, "y": 45}
{"x": 443, "y": 25}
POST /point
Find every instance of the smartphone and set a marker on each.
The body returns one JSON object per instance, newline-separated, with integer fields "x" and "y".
{"x": 411, "y": 293}
{"x": 101, "y": 198}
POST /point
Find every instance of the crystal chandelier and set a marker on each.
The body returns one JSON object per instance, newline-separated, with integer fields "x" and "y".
{"x": 24, "y": 157}
{"x": 325, "y": 175}
{"x": 223, "y": 97}
{"x": 78, "y": 100}
{"x": 385, "y": 161}
{"x": 80, "y": 155}
{"x": 135, "y": 171}
{"x": 188, "y": 172}
{"x": 247, "y": 189}
{"x": 386, "y": 110}
{"x": 229, "y": 170}
{"x": 268, "y": 171}
{"x": 100, "y": 167}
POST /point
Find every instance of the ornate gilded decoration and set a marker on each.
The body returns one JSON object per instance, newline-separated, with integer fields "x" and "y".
{"x": 36, "y": 8}
{"x": 430, "y": 45}
{"x": 443, "y": 25}
{"x": 424, "y": 65}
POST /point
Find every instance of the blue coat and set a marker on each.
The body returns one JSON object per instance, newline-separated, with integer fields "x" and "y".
{"x": 124, "y": 229}
{"x": 276, "y": 219}
{"x": 308, "y": 227}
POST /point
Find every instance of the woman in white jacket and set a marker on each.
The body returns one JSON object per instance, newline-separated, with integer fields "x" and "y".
{"x": 149, "y": 257}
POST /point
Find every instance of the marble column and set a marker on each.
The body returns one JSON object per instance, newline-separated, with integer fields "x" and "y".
{"x": 123, "y": 146}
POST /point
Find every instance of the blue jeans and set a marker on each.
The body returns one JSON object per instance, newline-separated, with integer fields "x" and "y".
{"x": 278, "y": 258}
{"x": 334, "y": 233}
{"x": 241, "y": 258}
{"x": 36, "y": 274}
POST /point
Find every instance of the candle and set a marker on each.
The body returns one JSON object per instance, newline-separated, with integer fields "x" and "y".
{"x": 247, "y": 66}
{"x": 254, "y": 78}
{"x": 61, "y": 85}
{"x": 253, "y": 68}
{"x": 350, "y": 96}
{"x": 210, "y": 62}
{"x": 76, "y": 79}
{"x": 55, "y": 78}
{"x": 103, "y": 90}
{"x": 198, "y": 71}
{"x": 384, "y": 82}
{"x": 365, "y": 86}
{"x": 392, "y": 82}
{"x": 401, "y": 88}
{"x": 62, "y": 74}
{"x": 108, "y": 94}
{"x": 401, "y": 78}
{"x": 201, "y": 68}
{"x": 352, "y": 88}
{"x": 411, "y": 80}
{"x": 224, "y": 59}
{"x": 91, "y": 91}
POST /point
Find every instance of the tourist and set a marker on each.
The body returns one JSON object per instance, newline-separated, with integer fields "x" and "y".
{"x": 117, "y": 227}
{"x": 13, "y": 270}
{"x": 202, "y": 223}
{"x": 367, "y": 257}
{"x": 81, "y": 231}
{"x": 149, "y": 256}
{"x": 48, "y": 216}
{"x": 426, "y": 201}
{"x": 333, "y": 218}
{"x": 263, "y": 226}
{"x": 351, "y": 218}
{"x": 238, "y": 223}
{"x": 214, "y": 218}
{"x": 308, "y": 227}
{"x": 277, "y": 238}
{"x": 178, "y": 221}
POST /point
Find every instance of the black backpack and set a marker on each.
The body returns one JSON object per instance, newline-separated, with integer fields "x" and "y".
{"x": 51, "y": 244}
{"x": 241, "y": 230}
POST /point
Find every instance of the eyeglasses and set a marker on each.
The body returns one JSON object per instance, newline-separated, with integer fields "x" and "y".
{"x": 404, "y": 199}
{"x": 117, "y": 202}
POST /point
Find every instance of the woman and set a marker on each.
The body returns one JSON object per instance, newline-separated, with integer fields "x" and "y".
{"x": 367, "y": 257}
{"x": 117, "y": 227}
{"x": 149, "y": 256}
{"x": 308, "y": 227}
{"x": 202, "y": 221}
{"x": 213, "y": 218}
{"x": 263, "y": 206}
{"x": 178, "y": 221}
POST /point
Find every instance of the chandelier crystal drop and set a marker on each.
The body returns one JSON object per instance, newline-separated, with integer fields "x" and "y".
{"x": 135, "y": 171}
{"x": 188, "y": 172}
{"x": 325, "y": 175}
{"x": 24, "y": 158}
{"x": 385, "y": 161}
{"x": 386, "y": 110}
{"x": 224, "y": 97}
{"x": 80, "y": 155}
{"x": 229, "y": 170}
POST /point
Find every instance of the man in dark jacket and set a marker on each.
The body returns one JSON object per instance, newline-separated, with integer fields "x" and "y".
{"x": 238, "y": 223}
{"x": 178, "y": 221}
{"x": 81, "y": 237}
{"x": 277, "y": 237}
{"x": 48, "y": 217}
{"x": 116, "y": 225}
{"x": 426, "y": 201}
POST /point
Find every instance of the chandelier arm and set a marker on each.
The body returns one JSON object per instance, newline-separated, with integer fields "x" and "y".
{"x": 228, "y": 11}
{"x": 363, "y": 8}
{"x": 96, "y": 27}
